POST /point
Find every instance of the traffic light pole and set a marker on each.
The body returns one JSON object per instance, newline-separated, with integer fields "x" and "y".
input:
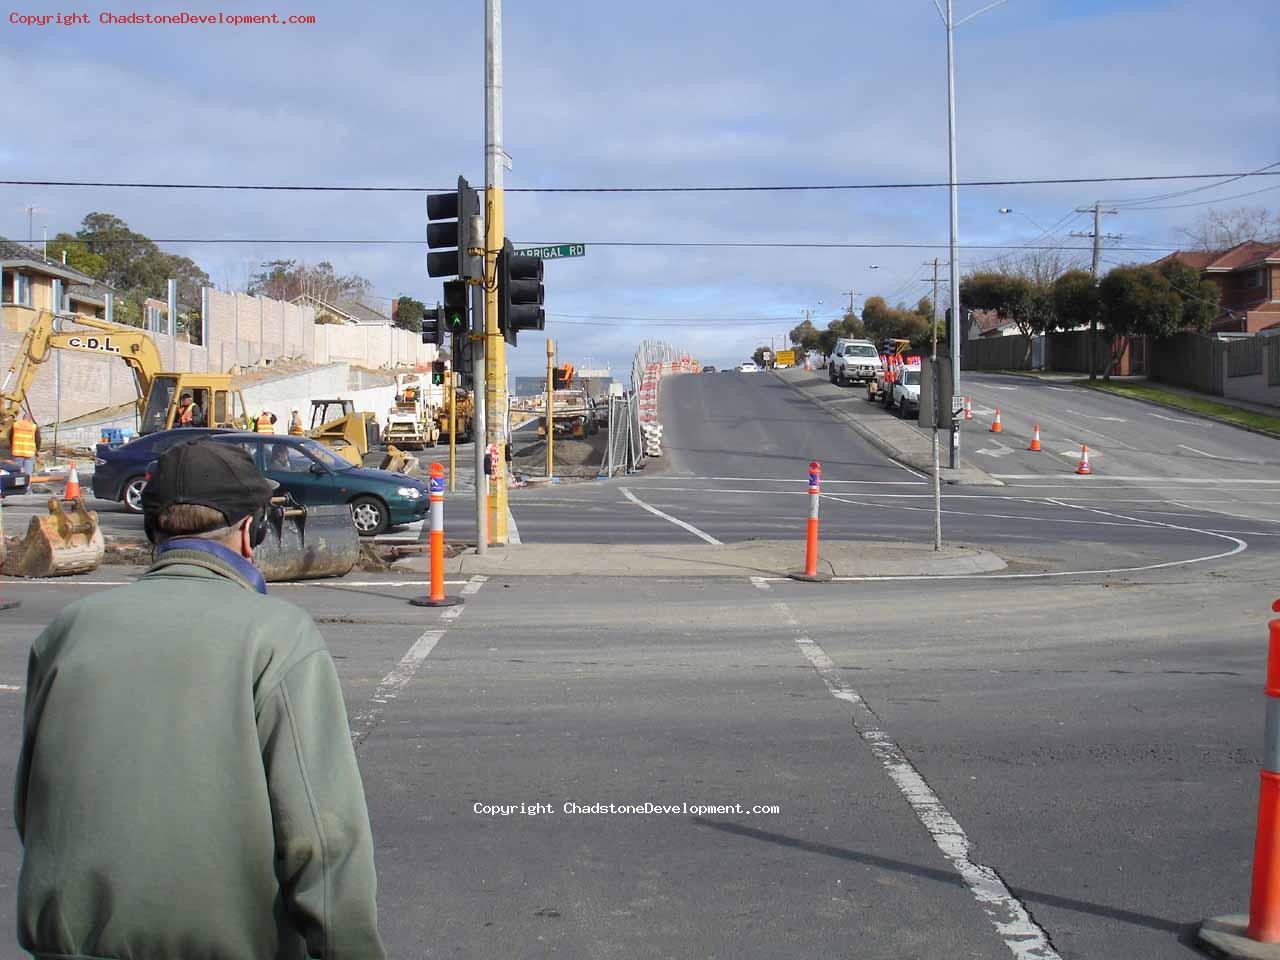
{"x": 495, "y": 372}
{"x": 477, "y": 424}
{"x": 453, "y": 424}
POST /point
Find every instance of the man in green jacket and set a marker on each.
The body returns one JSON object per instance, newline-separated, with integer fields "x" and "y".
{"x": 187, "y": 785}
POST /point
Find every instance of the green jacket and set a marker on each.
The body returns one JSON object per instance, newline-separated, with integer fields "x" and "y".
{"x": 187, "y": 785}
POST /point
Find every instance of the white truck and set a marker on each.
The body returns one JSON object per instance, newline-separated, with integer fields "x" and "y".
{"x": 904, "y": 392}
{"x": 854, "y": 361}
{"x": 412, "y": 422}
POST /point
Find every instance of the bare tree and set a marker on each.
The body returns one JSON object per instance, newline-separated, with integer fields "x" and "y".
{"x": 1221, "y": 229}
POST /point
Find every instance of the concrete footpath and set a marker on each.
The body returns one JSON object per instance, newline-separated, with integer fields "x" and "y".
{"x": 887, "y": 433}
{"x": 764, "y": 558}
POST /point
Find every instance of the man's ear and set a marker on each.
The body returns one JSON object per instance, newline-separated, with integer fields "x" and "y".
{"x": 246, "y": 540}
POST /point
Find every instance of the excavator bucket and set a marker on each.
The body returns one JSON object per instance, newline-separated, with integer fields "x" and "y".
{"x": 65, "y": 542}
{"x": 397, "y": 461}
{"x": 305, "y": 543}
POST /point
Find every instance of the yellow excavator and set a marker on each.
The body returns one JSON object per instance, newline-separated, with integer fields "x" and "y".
{"x": 159, "y": 391}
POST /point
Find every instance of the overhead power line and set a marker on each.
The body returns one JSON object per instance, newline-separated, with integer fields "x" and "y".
{"x": 348, "y": 188}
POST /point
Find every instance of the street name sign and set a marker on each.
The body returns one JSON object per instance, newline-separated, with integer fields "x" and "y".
{"x": 555, "y": 252}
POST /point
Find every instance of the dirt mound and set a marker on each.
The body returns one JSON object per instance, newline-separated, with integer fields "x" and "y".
{"x": 573, "y": 458}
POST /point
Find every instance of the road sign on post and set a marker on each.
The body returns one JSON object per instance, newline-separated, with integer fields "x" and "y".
{"x": 554, "y": 252}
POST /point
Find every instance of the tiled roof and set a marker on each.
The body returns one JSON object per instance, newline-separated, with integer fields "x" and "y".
{"x": 1195, "y": 259}
{"x": 1245, "y": 254}
{"x": 360, "y": 313}
{"x": 11, "y": 250}
{"x": 989, "y": 321}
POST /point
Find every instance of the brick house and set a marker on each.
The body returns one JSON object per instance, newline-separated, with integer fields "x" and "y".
{"x": 1248, "y": 276}
{"x": 27, "y": 282}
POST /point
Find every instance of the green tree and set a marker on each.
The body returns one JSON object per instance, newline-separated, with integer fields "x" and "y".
{"x": 1137, "y": 301}
{"x": 1012, "y": 298}
{"x": 758, "y": 355}
{"x": 408, "y": 314}
{"x": 1076, "y": 304}
{"x": 804, "y": 335}
{"x": 79, "y": 257}
{"x": 1201, "y": 299}
{"x": 290, "y": 279}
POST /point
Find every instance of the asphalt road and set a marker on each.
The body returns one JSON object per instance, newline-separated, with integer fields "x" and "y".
{"x": 1056, "y": 761}
{"x": 737, "y": 448}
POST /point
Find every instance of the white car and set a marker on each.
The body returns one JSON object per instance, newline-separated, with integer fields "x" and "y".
{"x": 748, "y": 366}
{"x": 905, "y": 394}
{"x": 854, "y": 361}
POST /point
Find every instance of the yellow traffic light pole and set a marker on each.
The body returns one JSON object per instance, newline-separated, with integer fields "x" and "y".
{"x": 495, "y": 354}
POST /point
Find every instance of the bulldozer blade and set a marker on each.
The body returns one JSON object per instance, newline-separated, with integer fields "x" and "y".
{"x": 305, "y": 543}
{"x": 63, "y": 543}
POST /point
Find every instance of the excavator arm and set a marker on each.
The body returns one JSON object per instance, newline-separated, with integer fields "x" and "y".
{"x": 82, "y": 335}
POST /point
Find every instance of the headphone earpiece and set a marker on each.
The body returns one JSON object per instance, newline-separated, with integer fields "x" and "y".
{"x": 258, "y": 527}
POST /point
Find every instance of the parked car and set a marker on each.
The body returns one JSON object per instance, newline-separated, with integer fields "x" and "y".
{"x": 315, "y": 475}
{"x": 119, "y": 469}
{"x": 748, "y": 366}
{"x": 12, "y": 479}
{"x": 854, "y": 361}
{"x": 904, "y": 394}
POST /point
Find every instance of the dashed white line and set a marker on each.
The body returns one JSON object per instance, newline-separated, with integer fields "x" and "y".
{"x": 364, "y": 722}
{"x": 666, "y": 516}
{"x": 1194, "y": 423}
{"x": 1025, "y": 938}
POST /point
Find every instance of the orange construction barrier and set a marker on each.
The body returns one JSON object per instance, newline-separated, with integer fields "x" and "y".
{"x": 72, "y": 491}
{"x": 1264, "y": 898}
{"x": 810, "y": 572}
{"x": 436, "y": 598}
{"x": 1035, "y": 439}
{"x": 1083, "y": 467}
{"x": 995, "y": 426}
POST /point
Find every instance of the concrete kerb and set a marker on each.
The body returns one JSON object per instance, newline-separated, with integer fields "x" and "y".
{"x": 1226, "y": 937}
{"x": 969, "y": 476}
{"x": 767, "y": 558}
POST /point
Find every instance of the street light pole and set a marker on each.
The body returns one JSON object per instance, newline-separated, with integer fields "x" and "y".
{"x": 953, "y": 334}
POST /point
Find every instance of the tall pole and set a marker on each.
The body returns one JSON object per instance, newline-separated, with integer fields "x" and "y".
{"x": 452, "y": 386}
{"x": 1097, "y": 261}
{"x": 551, "y": 355}
{"x": 937, "y": 412}
{"x": 495, "y": 346}
{"x": 953, "y": 334}
{"x": 478, "y": 422}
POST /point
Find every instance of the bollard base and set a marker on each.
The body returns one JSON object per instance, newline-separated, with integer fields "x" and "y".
{"x": 1227, "y": 936}
{"x": 442, "y": 602}
{"x": 810, "y": 577}
{"x": 9, "y": 604}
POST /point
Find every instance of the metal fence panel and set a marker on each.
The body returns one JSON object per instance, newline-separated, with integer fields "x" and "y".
{"x": 636, "y": 450}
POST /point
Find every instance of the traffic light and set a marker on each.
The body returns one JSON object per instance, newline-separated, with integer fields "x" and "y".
{"x": 462, "y": 360}
{"x": 455, "y": 307}
{"x": 437, "y": 373}
{"x": 453, "y": 221}
{"x": 520, "y": 293}
{"x": 433, "y": 326}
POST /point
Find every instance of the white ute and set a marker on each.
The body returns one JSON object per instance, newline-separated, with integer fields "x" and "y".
{"x": 854, "y": 361}
{"x": 904, "y": 395}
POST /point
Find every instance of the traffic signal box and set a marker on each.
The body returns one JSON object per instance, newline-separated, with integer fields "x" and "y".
{"x": 520, "y": 293}
{"x": 437, "y": 373}
{"x": 433, "y": 326}
{"x": 453, "y": 219}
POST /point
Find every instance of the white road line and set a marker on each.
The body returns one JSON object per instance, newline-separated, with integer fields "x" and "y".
{"x": 760, "y": 583}
{"x": 513, "y": 532}
{"x": 9, "y": 686}
{"x": 804, "y": 479}
{"x": 1060, "y": 389}
{"x": 1223, "y": 513}
{"x": 1025, "y": 939}
{"x": 914, "y": 473}
{"x": 1194, "y": 423}
{"x": 364, "y": 721}
{"x": 666, "y": 516}
{"x": 1128, "y": 479}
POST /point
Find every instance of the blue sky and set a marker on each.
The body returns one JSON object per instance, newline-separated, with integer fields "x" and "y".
{"x": 662, "y": 93}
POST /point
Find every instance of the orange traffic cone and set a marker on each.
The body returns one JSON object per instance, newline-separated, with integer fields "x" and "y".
{"x": 1083, "y": 469}
{"x": 72, "y": 490}
{"x": 968, "y": 408}
{"x": 995, "y": 427}
{"x": 1035, "y": 439}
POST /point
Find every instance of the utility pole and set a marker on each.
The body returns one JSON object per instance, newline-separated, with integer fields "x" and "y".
{"x": 1097, "y": 236}
{"x": 953, "y": 335}
{"x": 495, "y": 347}
{"x": 938, "y": 400}
{"x": 850, "y": 294}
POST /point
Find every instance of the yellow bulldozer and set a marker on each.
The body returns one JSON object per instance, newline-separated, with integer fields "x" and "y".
{"x": 337, "y": 424}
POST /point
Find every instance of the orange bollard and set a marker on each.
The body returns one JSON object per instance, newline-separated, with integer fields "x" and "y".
{"x": 1083, "y": 467}
{"x": 810, "y": 573}
{"x": 1035, "y": 439}
{"x": 72, "y": 489}
{"x": 1264, "y": 898}
{"x": 996, "y": 426}
{"x": 436, "y": 598}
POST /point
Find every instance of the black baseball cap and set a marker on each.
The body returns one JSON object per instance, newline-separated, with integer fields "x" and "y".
{"x": 219, "y": 476}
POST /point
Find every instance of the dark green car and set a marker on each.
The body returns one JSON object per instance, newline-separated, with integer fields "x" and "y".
{"x": 315, "y": 475}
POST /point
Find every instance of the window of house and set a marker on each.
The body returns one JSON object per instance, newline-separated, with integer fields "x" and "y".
{"x": 21, "y": 289}
{"x": 1254, "y": 278}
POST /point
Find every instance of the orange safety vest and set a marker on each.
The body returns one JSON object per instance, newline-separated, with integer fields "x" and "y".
{"x": 24, "y": 439}
{"x": 264, "y": 423}
{"x": 295, "y": 426}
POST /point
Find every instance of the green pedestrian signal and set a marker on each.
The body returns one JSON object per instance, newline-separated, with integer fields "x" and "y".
{"x": 455, "y": 307}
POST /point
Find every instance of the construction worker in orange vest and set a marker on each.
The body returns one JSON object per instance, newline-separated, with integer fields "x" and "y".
{"x": 295, "y": 424}
{"x": 22, "y": 444}
{"x": 266, "y": 422}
